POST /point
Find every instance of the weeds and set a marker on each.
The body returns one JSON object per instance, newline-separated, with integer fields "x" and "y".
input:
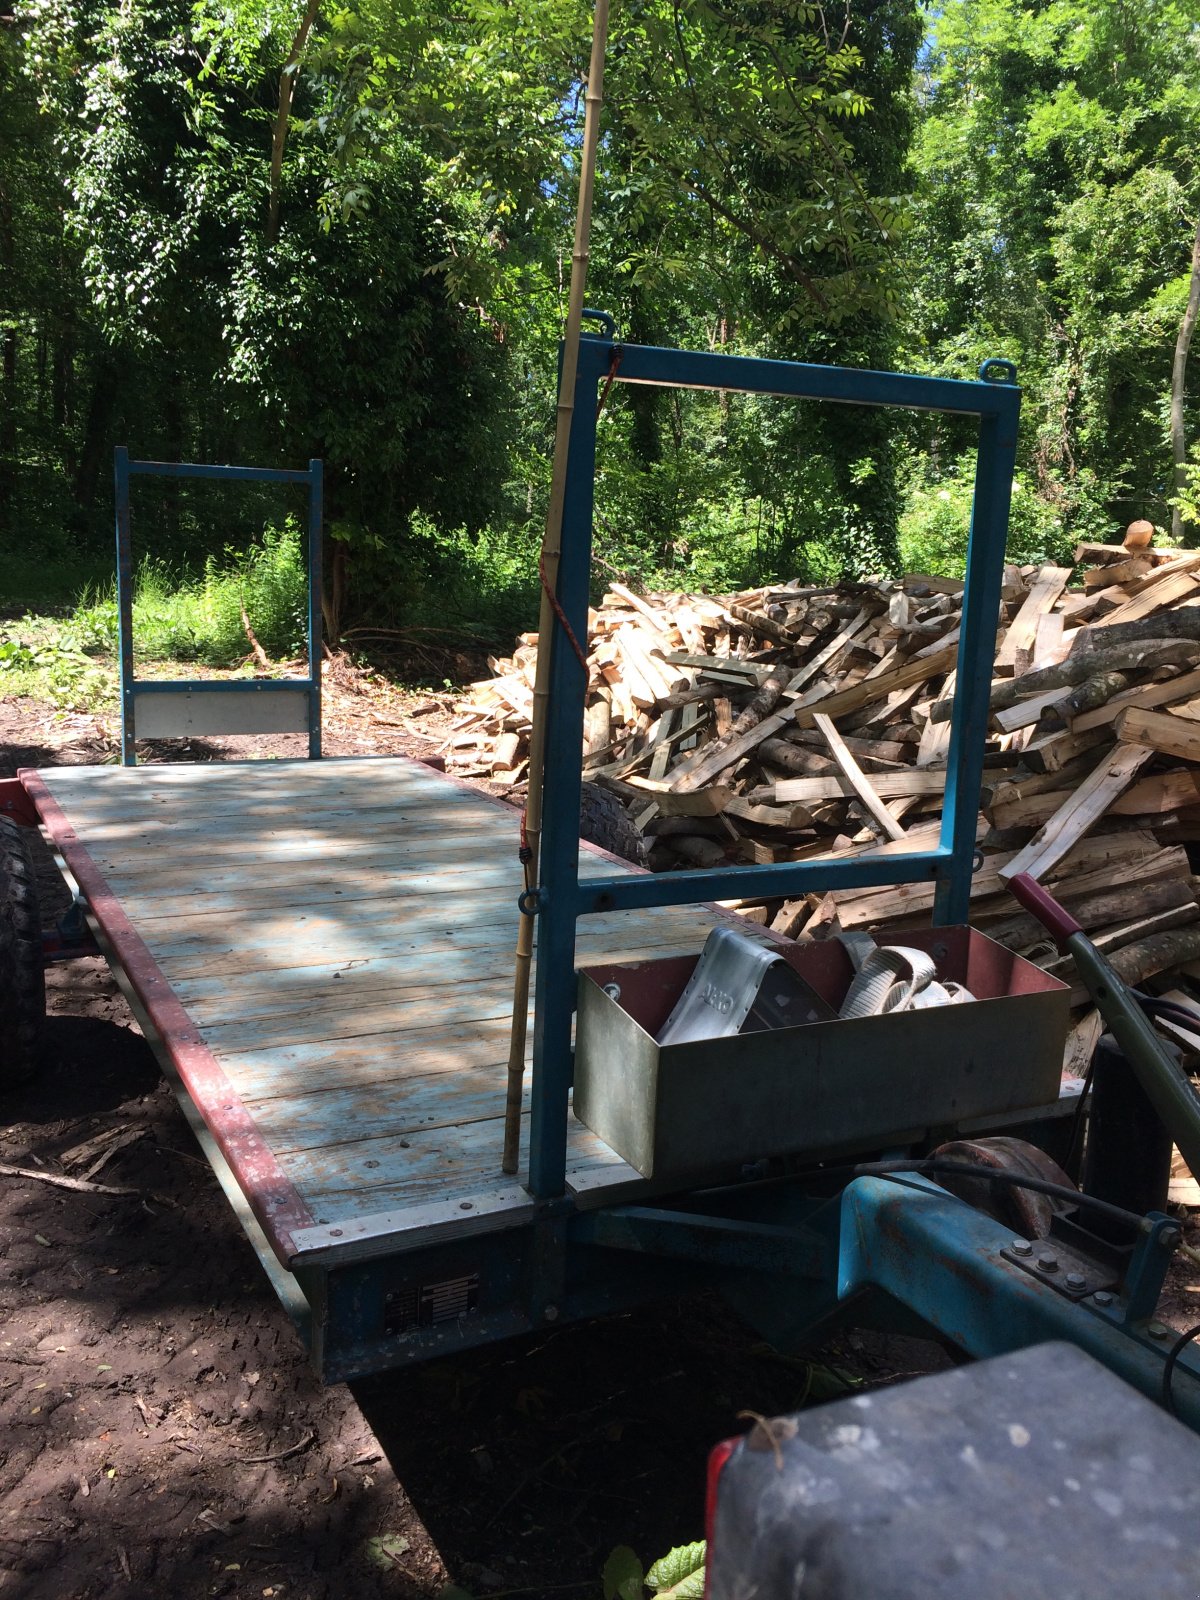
{"x": 177, "y": 617}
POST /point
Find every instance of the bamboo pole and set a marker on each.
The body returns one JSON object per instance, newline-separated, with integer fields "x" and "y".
{"x": 551, "y": 551}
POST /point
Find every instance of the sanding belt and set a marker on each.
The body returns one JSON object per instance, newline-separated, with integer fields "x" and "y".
{"x": 893, "y": 978}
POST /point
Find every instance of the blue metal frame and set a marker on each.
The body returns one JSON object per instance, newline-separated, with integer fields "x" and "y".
{"x": 995, "y": 400}
{"x": 131, "y": 686}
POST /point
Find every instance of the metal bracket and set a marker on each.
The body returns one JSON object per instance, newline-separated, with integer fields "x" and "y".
{"x": 1060, "y": 1268}
{"x": 608, "y": 323}
{"x": 996, "y": 370}
{"x": 71, "y": 936}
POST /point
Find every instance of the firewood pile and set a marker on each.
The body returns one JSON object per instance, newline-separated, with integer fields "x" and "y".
{"x": 785, "y": 722}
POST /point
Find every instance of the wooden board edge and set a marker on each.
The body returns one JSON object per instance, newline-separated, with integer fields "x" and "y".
{"x": 272, "y": 1197}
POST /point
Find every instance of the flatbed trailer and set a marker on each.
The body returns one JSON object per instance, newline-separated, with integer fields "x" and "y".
{"x": 320, "y": 954}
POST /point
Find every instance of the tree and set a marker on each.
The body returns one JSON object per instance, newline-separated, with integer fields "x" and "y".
{"x": 1059, "y": 196}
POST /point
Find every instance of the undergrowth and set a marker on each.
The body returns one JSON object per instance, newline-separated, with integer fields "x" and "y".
{"x": 177, "y": 617}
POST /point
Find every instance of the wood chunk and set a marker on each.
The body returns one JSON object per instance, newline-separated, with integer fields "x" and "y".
{"x": 1053, "y": 751}
{"x": 1145, "y": 958}
{"x": 1117, "y": 571}
{"x": 887, "y": 785}
{"x": 858, "y": 778}
{"x": 1156, "y": 694}
{"x": 1181, "y": 586}
{"x": 1050, "y": 583}
{"x": 709, "y": 802}
{"x": 1173, "y": 736}
{"x": 910, "y": 675}
{"x": 1081, "y": 812}
{"x": 1081, "y": 1044}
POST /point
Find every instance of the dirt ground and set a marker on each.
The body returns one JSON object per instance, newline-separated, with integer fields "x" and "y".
{"x": 161, "y": 1432}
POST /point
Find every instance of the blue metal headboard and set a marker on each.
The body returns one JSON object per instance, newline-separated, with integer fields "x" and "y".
{"x": 225, "y": 705}
{"x": 995, "y": 400}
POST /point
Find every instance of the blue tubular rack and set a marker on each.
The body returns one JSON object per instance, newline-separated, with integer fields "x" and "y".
{"x": 995, "y": 401}
{"x": 250, "y": 697}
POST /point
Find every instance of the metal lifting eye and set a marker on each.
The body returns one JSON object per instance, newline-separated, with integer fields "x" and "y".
{"x": 996, "y": 370}
{"x": 608, "y": 323}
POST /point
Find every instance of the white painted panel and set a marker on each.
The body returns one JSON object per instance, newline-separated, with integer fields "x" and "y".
{"x": 178, "y": 713}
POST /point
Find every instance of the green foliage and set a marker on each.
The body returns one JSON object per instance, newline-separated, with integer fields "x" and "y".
{"x": 680, "y": 1573}
{"x": 1057, "y": 202}
{"x": 936, "y": 520}
{"x": 1188, "y": 497}
{"x": 47, "y": 661}
{"x": 622, "y": 1576}
{"x": 179, "y": 616}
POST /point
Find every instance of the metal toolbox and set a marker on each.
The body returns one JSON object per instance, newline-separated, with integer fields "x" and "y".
{"x": 707, "y": 1105}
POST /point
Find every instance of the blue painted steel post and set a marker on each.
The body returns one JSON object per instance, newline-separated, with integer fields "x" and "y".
{"x": 125, "y": 605}
{"x": 995, "y": 464}
{"x": 316, "y": 515}
{"x": 555, "y": 988}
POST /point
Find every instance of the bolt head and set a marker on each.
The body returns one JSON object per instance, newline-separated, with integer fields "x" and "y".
{"x": 1157, "y": 1330}
{"x": 551, "y": 1313}
{"x": 1021, "y": 1247}
{"x": 1102, "y": 1297}
{"x": 1076, "y": 1280}
{"x": 1047, "y": 1262}
{"x": 1170, "y": 1238}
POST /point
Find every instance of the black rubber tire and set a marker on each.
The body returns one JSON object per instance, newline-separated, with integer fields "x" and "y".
{"x": 22, "y": 977}
{"x": 604, "y": 821}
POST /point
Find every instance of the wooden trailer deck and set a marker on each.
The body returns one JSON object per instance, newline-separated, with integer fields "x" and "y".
{"x": 324, "y": 950}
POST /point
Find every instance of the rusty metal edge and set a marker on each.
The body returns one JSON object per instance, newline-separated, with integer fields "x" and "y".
{"x": 272, "y": 1197}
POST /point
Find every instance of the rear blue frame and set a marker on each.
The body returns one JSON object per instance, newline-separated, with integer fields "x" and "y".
{"x": 995, "y": 400}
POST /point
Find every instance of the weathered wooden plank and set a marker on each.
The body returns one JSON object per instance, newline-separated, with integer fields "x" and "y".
{"x": 1082, "y": 811}
{"x": 1049, "y": 584}
{"x": 343, "y": 939}
{"x": 888, "y": 785}
{"x": 1174, "y": 736}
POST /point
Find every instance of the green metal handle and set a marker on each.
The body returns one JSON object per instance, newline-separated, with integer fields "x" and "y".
{"x": 1164, "y": 1080}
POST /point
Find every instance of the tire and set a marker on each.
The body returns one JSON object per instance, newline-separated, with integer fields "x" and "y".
{"x": 604, "y": 821}
{"x": 22, "y": 977}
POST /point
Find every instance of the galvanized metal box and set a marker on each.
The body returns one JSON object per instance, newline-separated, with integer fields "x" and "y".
{"x": 687, "y": 1109}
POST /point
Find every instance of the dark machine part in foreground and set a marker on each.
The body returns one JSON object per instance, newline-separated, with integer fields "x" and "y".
{"x": 1037, "y": 1474}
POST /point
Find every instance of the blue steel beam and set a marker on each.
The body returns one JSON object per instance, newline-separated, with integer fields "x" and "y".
{"x": 316, "y": 521}
{"x": 124, "y": 470}
{"x": 627, "y": 893}
{"x": 942, "y": 1259}
{"x": 195, "y": 469}
{"x": 995, "y": 465}
{"x": 562, "y": 900}
{"x": 687, "y": 369}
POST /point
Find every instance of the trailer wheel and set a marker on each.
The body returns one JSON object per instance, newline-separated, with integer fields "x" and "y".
{"x": 22, "y": 978}
{"x": 604, "y": 821}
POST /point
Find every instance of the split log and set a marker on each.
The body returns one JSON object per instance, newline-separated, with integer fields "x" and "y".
{"x": 1146, "y": 958}
{"x": 858, "y": 778}
{"x": 1081, "y": 812}
{"x": 730, "y": 747}
{"x": 1173, "y": 736}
